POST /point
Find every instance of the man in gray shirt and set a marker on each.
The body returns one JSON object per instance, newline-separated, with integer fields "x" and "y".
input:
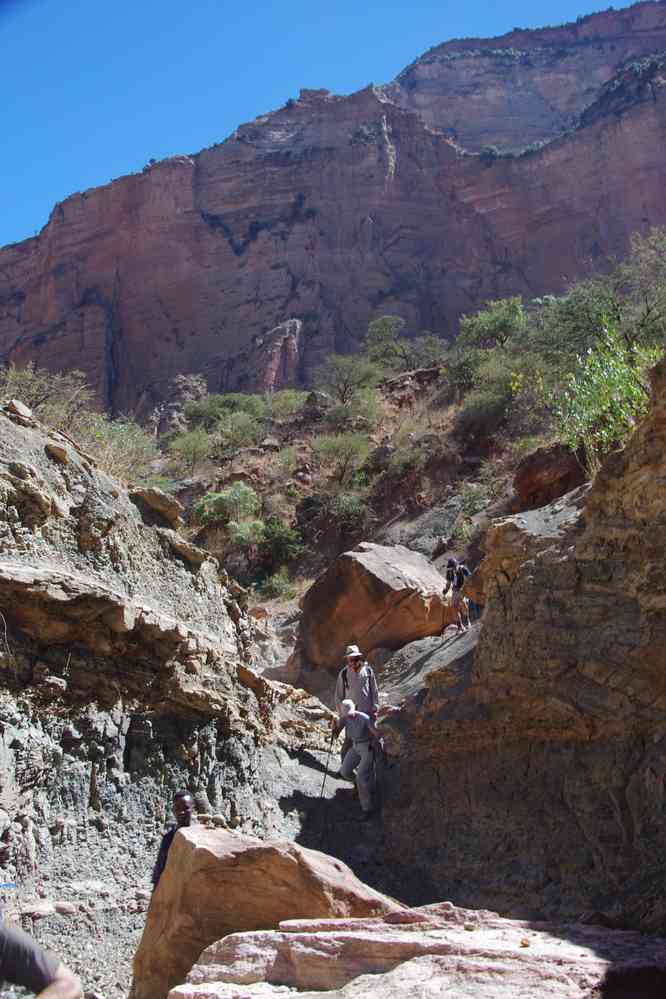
{"x": 361, "y": 732}
{"x": 357, "y": 682}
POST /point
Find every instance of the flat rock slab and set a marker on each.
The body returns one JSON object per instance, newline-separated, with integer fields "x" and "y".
{"x": 436, "y": 950}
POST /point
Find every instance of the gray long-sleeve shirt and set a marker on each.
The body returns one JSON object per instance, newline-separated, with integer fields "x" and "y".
{"x": 360, "y": 687}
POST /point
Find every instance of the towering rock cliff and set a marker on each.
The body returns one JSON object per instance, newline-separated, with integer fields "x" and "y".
{"x": 333, "y": 210}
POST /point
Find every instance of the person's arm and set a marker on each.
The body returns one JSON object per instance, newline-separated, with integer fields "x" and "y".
{"x": 24, "y": 963}
{"x": 65, "y": 985}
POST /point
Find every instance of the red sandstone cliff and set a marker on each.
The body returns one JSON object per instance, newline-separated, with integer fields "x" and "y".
{"x": 334, "y": 210}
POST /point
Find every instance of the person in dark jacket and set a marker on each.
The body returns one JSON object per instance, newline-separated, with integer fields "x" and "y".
{"x": 456, "y": 574}
{"x": 183, "y": 809}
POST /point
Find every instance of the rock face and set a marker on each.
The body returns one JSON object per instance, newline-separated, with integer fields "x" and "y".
{"x": 216, "y": 883}
{"x": 273, "y": 361}
{"x": 124, "y": 675}
{"x": 435, "y": 950}
{"x": 180, "y": 269}
{"x": 374, "y": 596}
{"x": 545, "y": 475}
{"x": 526, "y": 86}
{"x": 530, "y": 770}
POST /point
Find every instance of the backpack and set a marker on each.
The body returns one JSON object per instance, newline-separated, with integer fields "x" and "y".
{"x": 457, "y": 576}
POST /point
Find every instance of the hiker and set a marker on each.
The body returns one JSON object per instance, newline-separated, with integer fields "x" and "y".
{"x": 23, "y": 962}
{"x": 456, "y": 574}
{"x": 357, "y": 681}
{"x": 360, "y": 757}
{"x": 183, "y": 809}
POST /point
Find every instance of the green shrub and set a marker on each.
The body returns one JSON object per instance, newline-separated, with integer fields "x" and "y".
{"x": 276, "y": 585}
{"x": 280, "y": 543}
{"x": 368, "y": 404}
{"x": 349, "y": 511}
{"x": 191, "y": 447}
{"x": 605, "y": 397}
{"x": 472, "y": 499}
{"x": 343, "y": 454}
{"x": 233, "y": 503}
{"x": 120, "y": 447}
{"x": 338, "y": 417}
{"x": 239, "y": 429}
{"x": 483, "y": 413}
{"x": 246, "y": 534}
{"x": 288, "y": 459}
{"x": 209, "y": 411}
{"x": 58, "y": 399}
{"x": 286, "y": 402}
{"x": 344, "y": 375}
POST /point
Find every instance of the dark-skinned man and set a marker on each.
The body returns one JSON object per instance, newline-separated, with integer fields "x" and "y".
{"x": 183, "y": 809}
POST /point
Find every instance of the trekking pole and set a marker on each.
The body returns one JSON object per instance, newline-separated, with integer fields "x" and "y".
{"x": 328, "y": 757}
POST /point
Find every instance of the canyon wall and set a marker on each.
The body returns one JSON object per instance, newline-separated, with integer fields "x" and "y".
{"x": 334, "y": 210}
{"x": 529, "y": 769}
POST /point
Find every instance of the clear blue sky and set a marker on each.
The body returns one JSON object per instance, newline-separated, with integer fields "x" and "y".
{"x": 92, "y": 89}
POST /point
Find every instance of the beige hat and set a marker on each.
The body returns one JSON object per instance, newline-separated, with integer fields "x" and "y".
{"x": 353, "y": 652}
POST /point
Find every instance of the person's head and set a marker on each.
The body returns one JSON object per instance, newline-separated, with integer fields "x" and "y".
{"x": 452, "y": 563}
{"x": 354, "y": 657}
{"x": 183, "y": 808}
{"x": 347, "y": 708}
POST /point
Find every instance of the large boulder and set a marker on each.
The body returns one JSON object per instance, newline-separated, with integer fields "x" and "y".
{"x": 217, "y": 882}
{"x": 545, "y": 475}
{"x": 435, "y": 950}
{"x": 374, "y": 596}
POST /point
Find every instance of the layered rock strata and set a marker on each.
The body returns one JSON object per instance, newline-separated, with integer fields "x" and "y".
{"x": 332, "y": 211}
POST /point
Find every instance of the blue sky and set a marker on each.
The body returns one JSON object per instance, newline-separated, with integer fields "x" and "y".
{"x": 92, "y": 90}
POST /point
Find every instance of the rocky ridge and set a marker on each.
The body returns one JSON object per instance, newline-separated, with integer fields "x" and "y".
{"x": 124, "y": 652}
{"x": 333, "y": 210}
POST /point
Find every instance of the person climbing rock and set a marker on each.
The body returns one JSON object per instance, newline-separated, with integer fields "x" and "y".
{"x": 356, "y": 681}
{"x": 456, "y": 574}
{"x": 359, "y": 759}
{"x": 23, "y": 962}
{"x": 183, "y": 809}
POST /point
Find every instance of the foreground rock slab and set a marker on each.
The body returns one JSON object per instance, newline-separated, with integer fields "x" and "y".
{"x": 218, "y": 883}
{"x": 436, "y": 950}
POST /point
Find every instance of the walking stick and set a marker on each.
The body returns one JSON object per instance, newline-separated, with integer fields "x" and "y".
{"x": 328, "y": 757}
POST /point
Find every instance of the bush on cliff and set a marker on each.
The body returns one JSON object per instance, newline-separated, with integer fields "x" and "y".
{"x": 233, "y": 503}
{"x": 191, "y": 448}
{"x": 605, "y": 396}
{"x": 341, "y": 454}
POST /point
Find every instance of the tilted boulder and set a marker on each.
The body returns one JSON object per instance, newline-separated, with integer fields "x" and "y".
{"x": 216, "y": 882}
{"x": 375, "y": 595}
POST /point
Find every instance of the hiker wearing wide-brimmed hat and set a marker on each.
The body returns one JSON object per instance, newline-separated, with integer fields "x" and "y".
{"x": 356, "y": 681}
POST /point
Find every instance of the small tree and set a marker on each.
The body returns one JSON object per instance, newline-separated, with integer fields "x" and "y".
{"x": 191, "y": 447}
{"x": 493, "y": 326}
{"x": 342, "y": 453}
{"x": 387, "y": 345}
{"x": 58, "y": 398}
{"x": 235, "y": 502}
{"x": 280, "y": 543}
{"x": 605, "y": 397}
{"x": 239, "y": 429}
{"x": 344, "y": 376}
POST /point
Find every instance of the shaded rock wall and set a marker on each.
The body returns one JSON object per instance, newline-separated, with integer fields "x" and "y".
{"x": 334, "y": 210}
{"x": 531, "y": 769}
